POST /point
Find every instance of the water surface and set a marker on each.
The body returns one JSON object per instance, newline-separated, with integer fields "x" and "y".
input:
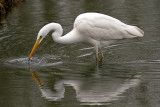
{"x": 67, "y": 75}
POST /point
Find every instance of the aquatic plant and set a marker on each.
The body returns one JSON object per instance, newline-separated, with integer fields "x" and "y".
{"x": 6, "y": 6}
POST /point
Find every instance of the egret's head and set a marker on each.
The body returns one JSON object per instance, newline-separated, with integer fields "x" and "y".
{"x": 54, "y": 27}
{"x": 42, "y": 33}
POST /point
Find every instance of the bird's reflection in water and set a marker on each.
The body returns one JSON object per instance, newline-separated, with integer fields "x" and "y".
{"x": 89, "y": 93}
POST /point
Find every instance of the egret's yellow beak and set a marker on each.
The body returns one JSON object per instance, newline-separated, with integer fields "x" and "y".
{"x": 34, "y": 47}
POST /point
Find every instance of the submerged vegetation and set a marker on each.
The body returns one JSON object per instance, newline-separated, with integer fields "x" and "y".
{"x": 6, "y": 6}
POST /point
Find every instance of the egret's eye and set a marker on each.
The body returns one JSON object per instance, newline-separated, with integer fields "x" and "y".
{"x": 40, "y": 37}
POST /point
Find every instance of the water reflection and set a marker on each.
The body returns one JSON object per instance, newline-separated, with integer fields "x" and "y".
{"x": 99, "y": 91}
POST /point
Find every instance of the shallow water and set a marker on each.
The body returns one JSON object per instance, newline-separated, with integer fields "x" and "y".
{"x": 67, "y": 75}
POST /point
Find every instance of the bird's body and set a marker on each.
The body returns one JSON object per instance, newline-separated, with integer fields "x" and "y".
{"x": 91, "y": 28}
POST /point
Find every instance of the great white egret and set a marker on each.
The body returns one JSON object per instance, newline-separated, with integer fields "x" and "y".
{"x": 93, "y": 28}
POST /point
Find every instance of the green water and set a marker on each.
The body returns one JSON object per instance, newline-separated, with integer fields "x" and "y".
{"x": 67, "y": 75}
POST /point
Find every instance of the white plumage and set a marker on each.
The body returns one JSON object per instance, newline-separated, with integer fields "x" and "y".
{"x": 103, "y": 27}
{"x": 92, "y": 28}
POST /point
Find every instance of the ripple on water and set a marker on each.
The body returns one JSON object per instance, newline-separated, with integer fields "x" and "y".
{"x": 47, "y": 60}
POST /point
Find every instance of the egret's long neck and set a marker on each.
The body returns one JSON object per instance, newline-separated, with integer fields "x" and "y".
{"x": 69, "y": 38}
{"x": 51, "y": 27}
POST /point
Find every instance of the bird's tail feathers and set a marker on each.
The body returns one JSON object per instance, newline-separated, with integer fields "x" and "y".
{"x": 135, "y": 31}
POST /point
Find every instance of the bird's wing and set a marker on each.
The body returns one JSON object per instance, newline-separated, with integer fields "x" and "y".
{"x": 103, "y": 27}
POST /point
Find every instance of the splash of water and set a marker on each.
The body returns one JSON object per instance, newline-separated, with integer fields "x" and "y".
{"x": 47, "y": 60}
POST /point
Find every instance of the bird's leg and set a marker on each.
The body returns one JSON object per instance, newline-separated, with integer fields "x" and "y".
{"x": 102, "y": 57}
{"x": 96, "y": 51}
{"x": 97, "y": 57}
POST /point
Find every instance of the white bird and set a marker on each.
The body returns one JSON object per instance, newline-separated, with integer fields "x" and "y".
{"x": 92, "y": 28}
